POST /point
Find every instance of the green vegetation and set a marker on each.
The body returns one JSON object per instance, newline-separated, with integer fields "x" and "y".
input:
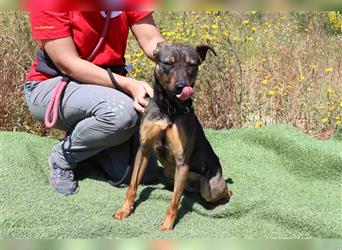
{"x": 272, "y": 68}
{"x": 286, "y": 185}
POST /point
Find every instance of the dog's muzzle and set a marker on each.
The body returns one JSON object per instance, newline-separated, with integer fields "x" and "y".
{"x": 185, "y": 92}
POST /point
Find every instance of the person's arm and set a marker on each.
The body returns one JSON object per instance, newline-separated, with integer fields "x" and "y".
{"x": 63, "y": 53}
{"x": 147, "y": 35}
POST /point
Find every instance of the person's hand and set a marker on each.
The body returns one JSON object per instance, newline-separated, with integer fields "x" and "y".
{"x": 139, "y": 90}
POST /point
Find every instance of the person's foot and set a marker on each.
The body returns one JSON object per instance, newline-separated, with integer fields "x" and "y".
{"x": 62, "y": 176}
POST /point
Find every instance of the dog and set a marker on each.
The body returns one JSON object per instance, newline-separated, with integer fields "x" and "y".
{"x": 170, "y": 129}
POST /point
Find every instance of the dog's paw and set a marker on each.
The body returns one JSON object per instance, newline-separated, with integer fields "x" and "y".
{"x": 121, "y": 214}
{"x": 166, "y": 227}
{"x": 230, "y": 193}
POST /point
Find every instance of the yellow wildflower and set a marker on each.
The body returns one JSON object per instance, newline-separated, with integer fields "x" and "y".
{"x": 329, "y": 69}
{"x": 245, "y": 22}
{"x": 259, "y": 124}
{"x": 338, "y": 120}
{"x": 253, "y": 29}
{"x": 139, "y": 54}
{"x": 271, "y": 92}
{"x": 331, "y": 108}
{"x": 264, "y": 82}
{"x": 324, "y": 120}
{"x": 214, "y": 26}
{"x": 330, "y": 91}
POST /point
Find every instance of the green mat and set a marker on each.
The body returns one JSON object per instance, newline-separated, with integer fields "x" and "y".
{"x": 286, "y": 185}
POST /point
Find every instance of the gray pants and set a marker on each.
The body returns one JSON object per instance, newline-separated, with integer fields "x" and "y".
{"x": 95, "y": 117}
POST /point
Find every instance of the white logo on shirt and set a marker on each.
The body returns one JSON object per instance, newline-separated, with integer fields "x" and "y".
{"x": 113, "y": 14}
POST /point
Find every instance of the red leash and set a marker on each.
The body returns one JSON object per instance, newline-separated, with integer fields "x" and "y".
{"x": 61, "y": 85}
{"x": 54, "y": 103}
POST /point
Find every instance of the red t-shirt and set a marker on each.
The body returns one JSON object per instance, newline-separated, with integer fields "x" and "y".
{"x": 85, "y": 28}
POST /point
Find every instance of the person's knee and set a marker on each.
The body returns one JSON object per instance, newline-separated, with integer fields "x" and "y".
{"x": 119, "y": 119}
{"x": 128, "y": 117}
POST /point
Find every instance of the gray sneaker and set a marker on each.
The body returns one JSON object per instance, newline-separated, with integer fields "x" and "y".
{"x": 62, "y": 179}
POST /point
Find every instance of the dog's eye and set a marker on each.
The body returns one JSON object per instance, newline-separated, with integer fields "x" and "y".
{"x": 167, "y": 64}
{"x": 192, "y": 66}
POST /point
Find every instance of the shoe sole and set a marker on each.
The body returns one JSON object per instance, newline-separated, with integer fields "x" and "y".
{"x": 67, "y": 194}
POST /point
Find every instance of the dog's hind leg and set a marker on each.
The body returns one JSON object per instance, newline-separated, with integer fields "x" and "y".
{"x": 141, "y": 161}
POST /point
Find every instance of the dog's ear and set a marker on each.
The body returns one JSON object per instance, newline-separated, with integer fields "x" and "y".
{"x": 203, "y": 49}
{"x": 156, "y": 51}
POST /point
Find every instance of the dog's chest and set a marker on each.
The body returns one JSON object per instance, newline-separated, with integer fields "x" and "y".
{"x": 163, "y": 152}
{"x": 169, "y": 137}
{"x": 174, "y": 145}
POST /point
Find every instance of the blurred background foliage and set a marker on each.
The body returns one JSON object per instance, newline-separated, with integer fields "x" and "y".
{"x": 271, "y": 68}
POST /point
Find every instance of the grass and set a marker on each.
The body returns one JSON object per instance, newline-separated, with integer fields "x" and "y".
{"x": 272, "y": 68}
{"x": 286, "y": 185}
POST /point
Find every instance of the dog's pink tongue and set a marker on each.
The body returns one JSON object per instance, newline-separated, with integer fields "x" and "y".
{"x": 187, "y": 92}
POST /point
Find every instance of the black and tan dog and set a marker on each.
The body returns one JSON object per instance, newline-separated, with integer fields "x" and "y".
{"x": 170, "y": 128}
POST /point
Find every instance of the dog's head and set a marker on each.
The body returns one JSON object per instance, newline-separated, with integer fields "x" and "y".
{"x": 177, "y": 67}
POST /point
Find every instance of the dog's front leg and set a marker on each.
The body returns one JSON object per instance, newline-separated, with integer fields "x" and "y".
{"x": 141, "y": 161}
{"x": 179, "y": 146}
{"x": 171, "y": 214}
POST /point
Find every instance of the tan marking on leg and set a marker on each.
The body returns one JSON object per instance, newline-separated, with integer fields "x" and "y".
{"x": 150, "y": 131}
{"x": 176, "y": 140}
{"x": 141, "y": 161}
{"x": 171, "y": 214}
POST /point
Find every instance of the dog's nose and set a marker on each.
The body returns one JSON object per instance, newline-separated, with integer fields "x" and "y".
{"x": 179, "y": 88}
